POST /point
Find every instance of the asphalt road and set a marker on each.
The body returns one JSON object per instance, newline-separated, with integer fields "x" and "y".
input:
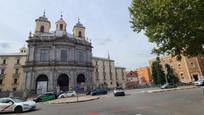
{"x": 180, "y": 102}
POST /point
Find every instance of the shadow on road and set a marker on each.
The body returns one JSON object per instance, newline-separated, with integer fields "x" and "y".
{"x": 22, "y": 112}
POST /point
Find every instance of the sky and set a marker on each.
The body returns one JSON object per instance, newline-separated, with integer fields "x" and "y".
{"x": 106, "y": 21}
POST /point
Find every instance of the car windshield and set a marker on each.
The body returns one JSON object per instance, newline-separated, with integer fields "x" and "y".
{"x": 119, "y": 88}
{"x": 2, "y": 100}
{"x": 18, "y": 100}
{"x": 70, "y": 91}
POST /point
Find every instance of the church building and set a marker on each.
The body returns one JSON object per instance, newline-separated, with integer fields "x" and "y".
{"x": 57, "y": 60}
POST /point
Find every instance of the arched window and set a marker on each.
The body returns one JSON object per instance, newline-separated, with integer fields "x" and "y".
{"x": 61, "y": 26}
{"x": 80, "y": 34}
{"x": 42, "y": 29}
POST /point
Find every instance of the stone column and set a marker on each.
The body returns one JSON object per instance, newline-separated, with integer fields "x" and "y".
{"x": 50, "y": 82}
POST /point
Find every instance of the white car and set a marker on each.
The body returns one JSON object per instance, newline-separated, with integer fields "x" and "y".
{"x": 119, "y": 91}
{"x": 199, "y": 83}
{"x": 16, "y": 105}
{"x": 68, "y": 94}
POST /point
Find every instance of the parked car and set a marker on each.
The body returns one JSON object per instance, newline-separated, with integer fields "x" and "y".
{"x": 119, "y": 91}
{"x": 68, "y": 94}
{"x": 168, "y": 85}
{"x": 16, "y": 105}
{"x": 45, "y": 97}
{"x": 199, "y": 83}
{"x": 88, "y": 92}
{"x": 99, "y": 92}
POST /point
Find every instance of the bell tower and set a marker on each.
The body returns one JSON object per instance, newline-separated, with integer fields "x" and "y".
{"x": 79, "y": 30}
{"x": 61, "y": 25}
{"x": 42, "y": 24}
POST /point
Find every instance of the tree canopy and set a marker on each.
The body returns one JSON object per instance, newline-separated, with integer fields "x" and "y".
{"x": 176, "y": 26}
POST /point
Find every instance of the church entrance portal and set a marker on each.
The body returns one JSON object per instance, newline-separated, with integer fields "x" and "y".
{"x": 41, "y": 84}
{"x": 63, "y": 82}
{"x": 80, "y": 79}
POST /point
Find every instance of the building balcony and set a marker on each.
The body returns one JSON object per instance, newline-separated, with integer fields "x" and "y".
{"x": 16, "y": 75}
{"x": 17, "y": 65}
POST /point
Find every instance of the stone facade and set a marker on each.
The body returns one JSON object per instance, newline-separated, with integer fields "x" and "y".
{"x": 11, "y": 71}
{"x": 106, "y": 74}
{"x": 187, "y": 69}
{"x": 57, "y": 60}
{"x": 144, "y": 73}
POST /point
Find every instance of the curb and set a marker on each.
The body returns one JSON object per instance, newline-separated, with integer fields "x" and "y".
{"x": 73, "y": 101}
{"x": 164, "y": 90}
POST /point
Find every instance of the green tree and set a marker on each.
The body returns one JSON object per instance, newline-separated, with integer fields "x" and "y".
{"x": 154, "y": 72}
{"x": 157, "y": 72}
{"x": 176, "y": 26}
{"x": 171, "y": 77}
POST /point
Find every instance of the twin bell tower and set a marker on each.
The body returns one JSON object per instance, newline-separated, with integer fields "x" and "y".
{"x": 43, "y": 26}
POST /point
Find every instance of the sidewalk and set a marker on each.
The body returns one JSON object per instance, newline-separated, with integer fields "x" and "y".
{"x": 172, "y": 89}
{"x": 73, "y": 99}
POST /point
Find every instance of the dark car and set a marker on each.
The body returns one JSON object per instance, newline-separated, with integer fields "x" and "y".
{"x": 98, "y": 92}
{"x": 45, "y": 97}
{"x": 89, "y": 92}
{"x": 168, "y": 85}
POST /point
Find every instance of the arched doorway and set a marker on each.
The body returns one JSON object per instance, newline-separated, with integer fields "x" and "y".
{"x": 63, "y": 82}
{"x": 80, "y": 83}
{"x": 41, "y": 84}
{"x": 80, "y": 79}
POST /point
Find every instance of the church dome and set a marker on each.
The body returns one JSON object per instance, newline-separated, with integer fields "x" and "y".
{"x": 78, "y": 24}
{"x": 43, "y": 18}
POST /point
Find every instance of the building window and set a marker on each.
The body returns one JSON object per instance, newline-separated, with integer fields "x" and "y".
{"x": 15, "y": 81}
{"x": 179, "y": 66}
{"x": 80, "y": 57}
{"x": 17, "y": 70}
{"x": 111, "y": 83}
{"x": 97, "y": 73}
{"x": 123, "y": 75}
{"x": 116, "y": 75}
{"x": 18, "y": 61}
{"x": 0, "y": 90}
{"x": 63, "y": 55}
{"x": 104, "y": 75}
{"x": 80, "y": 34}
{"x": 193, "y": 65}
{"x": 2, "y": 71}
{"x": 44, "y": 55}
{"x": 4, "y": 61}
{"x": 181, "y": 74}
{"x": 1, "y": 81}
{"x": 14, "y": 89}
{"x": 42, "y": 29}
{"x": 61, "y": 26}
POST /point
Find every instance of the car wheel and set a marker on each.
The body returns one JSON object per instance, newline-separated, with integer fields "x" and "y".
{"x": 18, "y": 109}
{"x": 62, "y": 96}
